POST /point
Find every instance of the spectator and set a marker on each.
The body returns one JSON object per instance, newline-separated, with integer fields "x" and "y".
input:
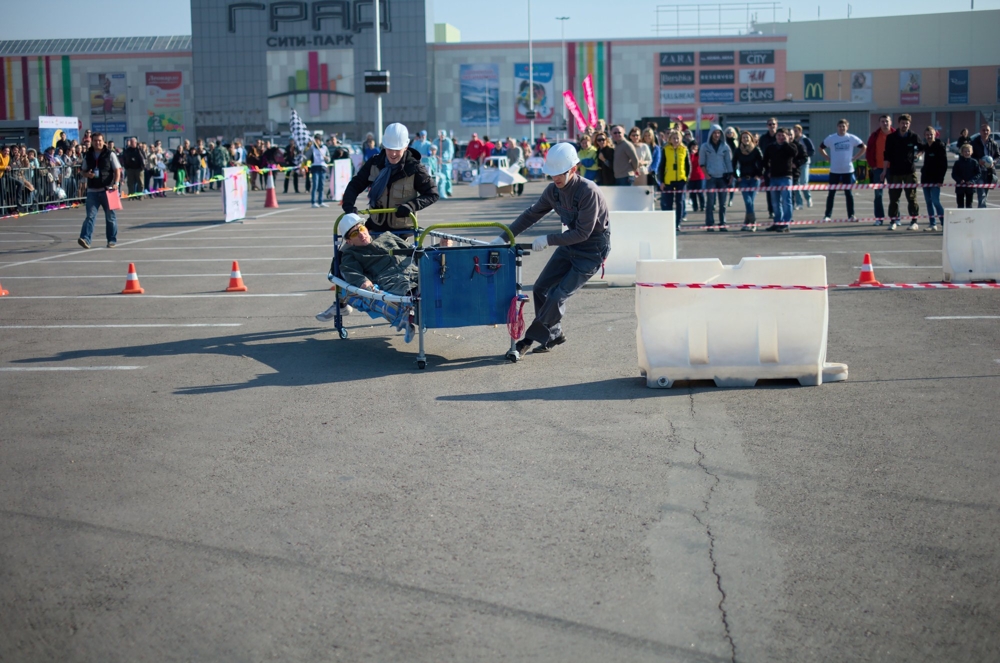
{"x": 748, "y": 162}
{"x": 489, "y": 147}
{"x": 963, "y": 138}
{"x": 202, "y": 172}
{"x": 672, "y": 176}
{"x": 733, "y": 141}
{"x": 901, "y": 149}
{"x": 317, "y": 155}
{"x": 515, "y": 160}
{"x": 369, "y": 148}
{"x": 696, "y": 180}
{"x": 605, "y": 160}
{"x": 218, "y": 161}
{"x": 626, "y": 160}
{"x": 446, "y": 153}
{"x": 769, "y": 138}
{"x": 588, "y": 159}
{"x": 841, "y": 149}
{"x": 193, "y": 168}
{"x": 644, "y": 154}
{"x": 421, "y": 144}
{"x": 178, "y": 166}
{"x": 149, "y": 169}
{"x": 103, "y": 173}
{"x": 933, "y": 172}
{"x": 133, "y": 162}
{"x": 809, "y": 148}
{"x": 542, "y": 145}
{"x": 688, "y": 139}
{"x": 475, "y": 151}
{"x": 649, "y": 140}
{"x": 984, "y": 145}
{"x": 875, "y": 156}
{"x": 779, "y": 164}
{"x": 965, "y": 171}
{"x": 717, "y": 161}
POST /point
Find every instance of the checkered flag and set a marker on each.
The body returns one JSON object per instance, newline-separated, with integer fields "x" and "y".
{"x": 301, "y": 135}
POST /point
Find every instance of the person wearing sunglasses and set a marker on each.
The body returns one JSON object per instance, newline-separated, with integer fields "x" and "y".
{"x": 626, "y": 160}
{"x": 605, "y": 159}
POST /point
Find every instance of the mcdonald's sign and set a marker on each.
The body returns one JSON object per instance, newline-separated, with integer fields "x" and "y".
{"x": 813, "y": 87}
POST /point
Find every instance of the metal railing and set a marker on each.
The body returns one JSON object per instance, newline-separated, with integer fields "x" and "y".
{"x": 32, "y": 189}
{"x": 724, "y": 18}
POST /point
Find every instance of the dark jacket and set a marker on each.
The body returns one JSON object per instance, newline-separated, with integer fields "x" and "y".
{"x": 749, "y": 165}
{"x": 901, "y": 152}
{"x": 99, "y": 164}
{"x": 966, "y": 171}
{"x": 219, "y": 157}
{"x": 132, "y": 159}
{"x": 780, "y": 160}
{"x": 807, "y": 145}
{"x": 378, "y": 262}
{"x": 935, "y": 162}
{"x": 981, "y": 149}
{"x": 606, "y": 168}
{"x": 410, "y": 188}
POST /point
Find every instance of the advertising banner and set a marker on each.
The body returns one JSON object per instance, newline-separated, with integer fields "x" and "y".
{"x": 234, "y": 193}
{"x": 590, "y": 100}
{"x": 757, "y": 94}
{"x": 340, "y": 179}
{"x": 998, "y": 86}
{"x": 717, "y": 96}
{"x": 716, "y": 77}
{"x": 676, "y": 78}
{"x": 677, "y": 59}
{"x": 164, "y": 101}
{"x": 479, "y": 87}
{"x": 754, "y": 58}
{"x": 812, "y": 87}
{"x": 574, "y": 108}
{"x": 909, "y": 87}
{"x": 108, "y": 111}
{"x": 669, "y": 98}
{"x": 544, "y": 96}
{"x": 958, "y": 86}
{"x": 716, "y": 58}
{"x": 754, "y": 76}
{"x": 318, "y": 85}
{"x": 52, "y": 130}
{"x": 861, "y": 87}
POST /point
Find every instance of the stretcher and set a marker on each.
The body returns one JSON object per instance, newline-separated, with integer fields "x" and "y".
{"x": 471, "y": 285}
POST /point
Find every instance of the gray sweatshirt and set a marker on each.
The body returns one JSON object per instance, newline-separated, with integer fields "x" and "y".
{"x": 716, "y": 160}
{"x": 580, "y": 206}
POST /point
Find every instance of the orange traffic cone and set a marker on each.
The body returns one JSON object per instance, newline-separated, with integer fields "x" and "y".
{"x": 3, "y": 292}
{"x": 236, "y": 280}
{"x": 867, "y": 276}
{"x": 271, "y": 196}
{"x": 132, "y": 286}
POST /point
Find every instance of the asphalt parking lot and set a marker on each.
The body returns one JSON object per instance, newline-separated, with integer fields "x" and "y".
{"x": 191, "y": 474}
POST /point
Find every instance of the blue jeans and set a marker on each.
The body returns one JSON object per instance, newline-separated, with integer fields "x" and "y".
{"x": 673, "y": 198}
{"x": 875, "y": 178}
{"x": 932, "y": 196}
{"x": 840, "y": 178}
{"x": 749, "y": 184}
{"x": 97, "y": 199}
{"x": 982, "y": 195}
{"x": 624, "y": 181}
{"x": 716, "y": 183}
{"x": 803, "y": 179}
{"x": 781, "y": 201}
{"x": 316, "y": 192}
{"x": 445, "y": 187}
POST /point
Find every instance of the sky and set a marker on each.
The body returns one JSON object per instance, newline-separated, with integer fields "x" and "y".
{"x": 589, "y": 19}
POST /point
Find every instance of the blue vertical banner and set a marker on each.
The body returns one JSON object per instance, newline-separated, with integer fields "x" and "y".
{"x": 544, "y": 92}
{"x": 479, "y": 87}
{"x": 958, "y": 86}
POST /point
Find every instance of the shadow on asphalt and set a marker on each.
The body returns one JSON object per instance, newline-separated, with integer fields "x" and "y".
{"x": 615, "y": 389}
{"x": 178, "y": 224}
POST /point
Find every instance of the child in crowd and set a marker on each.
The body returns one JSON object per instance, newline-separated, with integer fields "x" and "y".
{"x": 988, "y": 175}
{"x": 965, "y": 171}
{"x": 696, "y": 182}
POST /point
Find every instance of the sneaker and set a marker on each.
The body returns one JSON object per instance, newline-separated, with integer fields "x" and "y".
{"x": 323, "y": 205}
{"x": 931, "y": 228}
{"x": 809, "y": 203}
{"x": 784, "y": 228}
{"x": 559, "y": 340}
{"x": 84, "y": 243}
{"x": 914, "y": 226}
{"x": 748, "y": 229}
{"x": 771, "y": 228}
{"x": 852, "y": 219}
{"x": 112, "y": 245}
{"x": 878, "y": 222}
{"x": 827, "y": 219}
{"x": 315, "y": 205}
{"x": 329, "y": 314}
{"x": 723, "y": 228}
{"x": 892, "y": 225}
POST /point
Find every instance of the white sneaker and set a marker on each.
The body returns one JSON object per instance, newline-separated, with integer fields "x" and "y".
{"x": 329, "y": 314}
{"x": 809, "y": 203}
{"x": 323, "y": 205}
{"x": 853, "y": 219}
{"x": 315, "y": 205}
{"x": 914, "y": 226}
{"x": 892, "y": 225}
{"x": 826, "y": 218}
{"x": 878, "y": 222}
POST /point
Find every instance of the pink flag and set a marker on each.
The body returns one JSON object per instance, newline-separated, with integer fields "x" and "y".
{"x": 588, "y": 97}
{"x": 574, "y": 108}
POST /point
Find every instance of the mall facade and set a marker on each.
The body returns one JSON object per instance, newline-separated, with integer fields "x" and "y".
{"x": 247, "y": 64}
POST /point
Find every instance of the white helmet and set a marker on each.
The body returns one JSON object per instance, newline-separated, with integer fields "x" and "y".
{"x": 560, "y": 159}
{"x": 396, "y": 137}
{"x": 348, "y": 222}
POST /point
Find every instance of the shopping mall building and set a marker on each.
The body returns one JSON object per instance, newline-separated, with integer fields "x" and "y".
{"x": 247, "y": 64}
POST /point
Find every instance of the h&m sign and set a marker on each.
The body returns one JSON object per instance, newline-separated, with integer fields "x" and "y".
{"x": 347, "y": 15}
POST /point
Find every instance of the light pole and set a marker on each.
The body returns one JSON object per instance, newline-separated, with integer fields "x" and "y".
{"x": 531, "y": 80}
{"x": 565, "y": 76}
{"x": 378, "y": 67}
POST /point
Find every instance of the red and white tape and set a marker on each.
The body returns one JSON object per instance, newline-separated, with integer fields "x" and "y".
{"x": 840, "y": 187}
{"x": 882, "y": 286}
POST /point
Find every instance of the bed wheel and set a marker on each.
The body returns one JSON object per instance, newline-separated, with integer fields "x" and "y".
{"x": 343, "y": 332}
{"x": 512, "y": 356}
{"x": 421, "y": 364}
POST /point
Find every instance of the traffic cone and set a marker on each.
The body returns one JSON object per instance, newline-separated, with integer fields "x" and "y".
{"x": 3, "y": 292}
{"x": 236, "y": 280}
{"x": 132, "y": 286}
{"x": 867, "y": 276}
{"x": 271, "y": 196}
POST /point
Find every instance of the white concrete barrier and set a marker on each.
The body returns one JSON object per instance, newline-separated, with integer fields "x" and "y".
{"x": 638, "y": 236}
{"x": 971, "y": 250}
{"x": 734, "y": 337}
{"x": 629, "y": 198}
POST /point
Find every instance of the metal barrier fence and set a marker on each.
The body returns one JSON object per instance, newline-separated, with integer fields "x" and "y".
{"x": 32, "y": 189}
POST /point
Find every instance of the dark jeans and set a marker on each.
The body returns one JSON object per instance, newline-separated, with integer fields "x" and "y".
{"x": 964, "y": 195}
{"x": 876, "y": 176}
{"x": 673, "y": 198}
{"x": 624, "y": 181}
{"x": 716, "y": 183}
{"x": 840, "y": 178}
{"x": 982, "y": 195}
{"x": 697, "y": 197}
{"x": 99, "y": 199}
{"x": 912, "y": 208}
{"x": 295, "y": 178}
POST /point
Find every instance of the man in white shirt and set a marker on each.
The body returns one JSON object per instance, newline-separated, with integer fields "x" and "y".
{"x": 841, "y": 149}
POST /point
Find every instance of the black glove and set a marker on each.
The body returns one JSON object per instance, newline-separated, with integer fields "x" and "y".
{"x": 402, "y": 211}
{"x": 350, "y": 210}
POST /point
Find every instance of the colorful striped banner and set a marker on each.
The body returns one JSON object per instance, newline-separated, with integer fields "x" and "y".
{"x": 67, "y": 83}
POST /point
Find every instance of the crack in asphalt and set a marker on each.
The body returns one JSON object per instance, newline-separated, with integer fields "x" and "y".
{"x": 711, "y": 539}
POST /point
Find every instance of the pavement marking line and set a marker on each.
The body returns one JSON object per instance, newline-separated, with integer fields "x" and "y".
{"x": 261, "y": 216}
{"x": 125, "y": 261}
{"x": 241, "y": 295}
{"x": 857, "y": 267}
{"x": 120, "y": 244}
{"x": 277, "y": 246}
{"x": 963, "y": 317}
{"x": 160, "y": 276}
{"x": 809, "y": 253}
{"x": 220, "y": 248}
{"x": 26, "y": 369}
{"x": 227, "y": 324}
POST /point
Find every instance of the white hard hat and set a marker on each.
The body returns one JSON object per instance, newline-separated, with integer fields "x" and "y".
{"x": 396, "y": 137}
{"x": 348, "y": 222}
{"x": 560, "y": 159}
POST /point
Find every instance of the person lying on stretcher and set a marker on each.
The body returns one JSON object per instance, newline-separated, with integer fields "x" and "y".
{"x": 368, "y": 263}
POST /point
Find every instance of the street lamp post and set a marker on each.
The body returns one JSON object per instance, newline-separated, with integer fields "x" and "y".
{"x": 378, "y": 67}
{"x": 565, "y": 75}
{"x": 531, "y": 81}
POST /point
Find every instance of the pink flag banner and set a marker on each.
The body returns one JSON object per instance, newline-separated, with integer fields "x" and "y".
{"x": 588, "y": 97}
{"x": 574, "y": 108}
